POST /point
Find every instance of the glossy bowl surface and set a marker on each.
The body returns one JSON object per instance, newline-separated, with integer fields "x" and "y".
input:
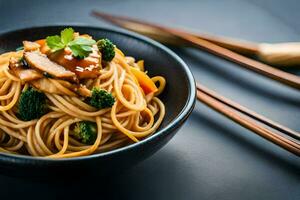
{"x": 179, "y": 98}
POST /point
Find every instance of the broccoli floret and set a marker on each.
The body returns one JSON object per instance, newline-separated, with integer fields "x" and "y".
{"x": 32, "y": 104}
{"x": 101, "y": 99}
{"x": 107, "y": 49}
{"x": 86, "y": 132}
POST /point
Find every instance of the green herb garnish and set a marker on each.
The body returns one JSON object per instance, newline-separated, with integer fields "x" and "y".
{"x": 23, "y": 62}
{"x": 81, "y": 47}
{"x": 47, "y": 75}
{"x": 20, "y": 48}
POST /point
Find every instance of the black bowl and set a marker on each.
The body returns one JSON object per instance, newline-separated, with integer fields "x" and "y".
{"x": 179, "y": 98}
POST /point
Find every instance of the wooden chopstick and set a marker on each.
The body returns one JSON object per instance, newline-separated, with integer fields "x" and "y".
{"x": 153, "y": 30}
{"x": 228, "y": 109}
{"x": 187, "y": 38}
{"x": 249, "y": 112}
{"x": 261, "y": 68}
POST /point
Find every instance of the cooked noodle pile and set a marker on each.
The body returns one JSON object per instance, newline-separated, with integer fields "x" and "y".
{"x": 133, "y": 116}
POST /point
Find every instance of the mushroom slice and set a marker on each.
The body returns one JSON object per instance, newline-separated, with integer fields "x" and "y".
{"x": 23, "y": 73}
{"x": 26, "y": 75}
{"x": 45, "y": 85}
{"x": 40, "y": 61}
{"x": 30, "y": 46}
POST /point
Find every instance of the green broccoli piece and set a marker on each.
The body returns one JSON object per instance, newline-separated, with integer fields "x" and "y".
{"x": 107, "y": 49}
{"x": 101, "y": 99}
{"x": 32, "y": 104}
{"x": 85, "y": 131}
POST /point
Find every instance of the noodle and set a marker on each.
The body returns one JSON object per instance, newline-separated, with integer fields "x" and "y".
{"x": 133, "y": 117}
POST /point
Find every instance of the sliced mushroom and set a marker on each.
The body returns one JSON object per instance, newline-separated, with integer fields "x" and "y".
{"x": 30, "y": 46}
{"x": 25, "y": 75}
{"x": 41, "y": 62}
{"x": 45, "y": 85}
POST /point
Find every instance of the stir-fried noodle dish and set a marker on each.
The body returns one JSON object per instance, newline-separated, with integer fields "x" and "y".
{"x": 72, "y": 95}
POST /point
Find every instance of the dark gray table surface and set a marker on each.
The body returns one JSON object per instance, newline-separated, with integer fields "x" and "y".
{"x": 211, "y": 157}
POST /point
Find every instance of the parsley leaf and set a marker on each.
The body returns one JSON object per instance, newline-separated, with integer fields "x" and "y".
{"x": 78, "y": 51}
{"x": 67, "y": 35}
{"x": 87, "y": 48}
{"x": 20, "y": 48}
{"x": 82, "y": 41}
{"x": 54, "y": 43}
{"x": 81, "y": 47}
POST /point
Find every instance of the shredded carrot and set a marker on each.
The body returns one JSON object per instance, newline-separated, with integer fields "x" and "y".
{"x": 144, "y": 81}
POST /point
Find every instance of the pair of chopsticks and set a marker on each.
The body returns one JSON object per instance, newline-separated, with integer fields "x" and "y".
{"x": 250, "y": 119}
{"x": 211, "y": 45}
{"x": 266, "y": 128}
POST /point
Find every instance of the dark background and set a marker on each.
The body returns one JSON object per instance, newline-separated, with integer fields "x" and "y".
{"x": 211, "y": 157}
